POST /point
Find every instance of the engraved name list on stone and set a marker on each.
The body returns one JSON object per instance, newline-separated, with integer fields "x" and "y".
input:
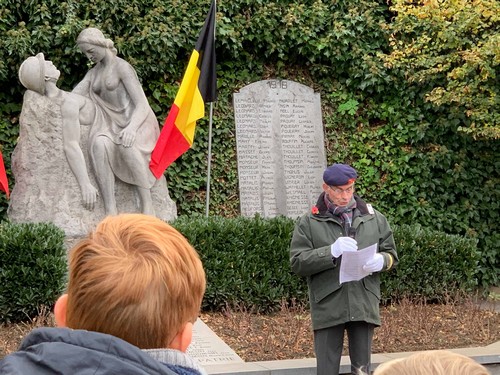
{"x": 280, "y": 148}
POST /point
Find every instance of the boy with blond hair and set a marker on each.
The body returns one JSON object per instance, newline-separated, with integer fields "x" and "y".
{"x": 435, "y": 362}
{"x": 134, "y": 283}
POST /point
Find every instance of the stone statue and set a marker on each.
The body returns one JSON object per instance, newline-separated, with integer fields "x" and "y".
{"x": 41, "y": 76}
{"x": 69, "y": 143}
{"x": 122, "y": 138}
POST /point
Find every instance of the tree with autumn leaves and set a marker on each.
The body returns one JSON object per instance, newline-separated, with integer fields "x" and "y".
{"x": 452, "y": 48}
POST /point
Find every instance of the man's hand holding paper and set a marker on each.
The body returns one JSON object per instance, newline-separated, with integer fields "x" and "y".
{"x": 352, "y": 265}
{"x": 375, "y": 264}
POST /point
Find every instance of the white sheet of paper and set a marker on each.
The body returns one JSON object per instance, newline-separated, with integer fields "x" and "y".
{"x": 351, "y": 266}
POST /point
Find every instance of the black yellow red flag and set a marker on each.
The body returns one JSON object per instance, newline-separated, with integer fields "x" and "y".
{"x": 198, "y": 87}
{"x": 4, "y": 183}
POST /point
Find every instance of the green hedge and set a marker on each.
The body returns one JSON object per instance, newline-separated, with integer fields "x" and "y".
{"x": 433, "y": 265}
{"x": 247, "y": 262}
{"x": 32, "y": 269}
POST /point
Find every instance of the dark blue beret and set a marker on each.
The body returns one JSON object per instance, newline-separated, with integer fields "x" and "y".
{"x": 339, "y": 174}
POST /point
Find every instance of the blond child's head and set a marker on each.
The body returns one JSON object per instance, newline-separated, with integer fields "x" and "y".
{"x": 137, "y": 278}
{"x": 435, "y": 362}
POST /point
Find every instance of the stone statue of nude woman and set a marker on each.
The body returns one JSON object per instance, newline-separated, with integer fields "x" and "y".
{"x": 125, "y": 130}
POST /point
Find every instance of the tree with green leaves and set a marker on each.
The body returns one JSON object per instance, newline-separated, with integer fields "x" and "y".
{"x": 452, "y": 48}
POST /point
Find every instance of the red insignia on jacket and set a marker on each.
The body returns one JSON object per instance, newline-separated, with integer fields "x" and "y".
{"x": 314, "y": 210}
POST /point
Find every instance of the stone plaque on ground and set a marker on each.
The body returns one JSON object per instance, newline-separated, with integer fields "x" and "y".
{"x": 280, "y": 148}
{"x": 209, "y": 349}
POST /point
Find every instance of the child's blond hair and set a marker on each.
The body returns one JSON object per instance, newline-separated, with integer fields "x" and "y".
{"x": 134, "y": 277}
{"x": 435, "y": 362}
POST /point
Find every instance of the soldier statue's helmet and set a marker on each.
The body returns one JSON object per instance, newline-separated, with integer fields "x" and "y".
{"x": 32, "y": 73}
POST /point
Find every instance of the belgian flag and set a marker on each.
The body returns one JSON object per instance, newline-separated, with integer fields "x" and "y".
{"x": 198, "y": 86}
{"x": 4, "y": 183}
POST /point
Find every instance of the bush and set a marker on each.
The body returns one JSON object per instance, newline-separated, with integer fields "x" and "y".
{"x": 432, "y": 265}
{"x": 247, "y": 262}
{"x": 32, "y": 269}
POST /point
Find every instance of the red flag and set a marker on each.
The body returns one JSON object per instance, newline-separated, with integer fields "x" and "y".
{"x": 198, "y": 86}
{"x": 4, "y": 184}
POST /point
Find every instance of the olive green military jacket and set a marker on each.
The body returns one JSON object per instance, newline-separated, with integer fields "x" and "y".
{"x": 333, "y": 303}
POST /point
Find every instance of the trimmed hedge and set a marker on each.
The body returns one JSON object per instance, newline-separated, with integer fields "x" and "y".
{"x": 32, "y": 269}
{"x": 432, "y": 265}
{"x": 246, "y": 262}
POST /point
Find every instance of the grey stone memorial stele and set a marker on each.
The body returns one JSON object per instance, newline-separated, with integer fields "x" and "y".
{"x": 280, "y": 148}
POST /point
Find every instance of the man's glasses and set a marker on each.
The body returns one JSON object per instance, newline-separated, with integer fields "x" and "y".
{"x": 338, "y": 190}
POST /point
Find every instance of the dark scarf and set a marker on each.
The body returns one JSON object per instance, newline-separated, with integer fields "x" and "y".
{"x": 343, "y": 212}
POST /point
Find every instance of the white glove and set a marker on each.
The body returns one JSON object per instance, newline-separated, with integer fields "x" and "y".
{"x": 342, "y": 245}
{"x": 375, "y": 264}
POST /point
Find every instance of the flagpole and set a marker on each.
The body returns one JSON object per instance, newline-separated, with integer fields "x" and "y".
{"x": 209, "y": 161}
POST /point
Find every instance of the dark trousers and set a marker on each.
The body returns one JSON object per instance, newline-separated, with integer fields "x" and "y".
{"x": 328, "y": 344}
